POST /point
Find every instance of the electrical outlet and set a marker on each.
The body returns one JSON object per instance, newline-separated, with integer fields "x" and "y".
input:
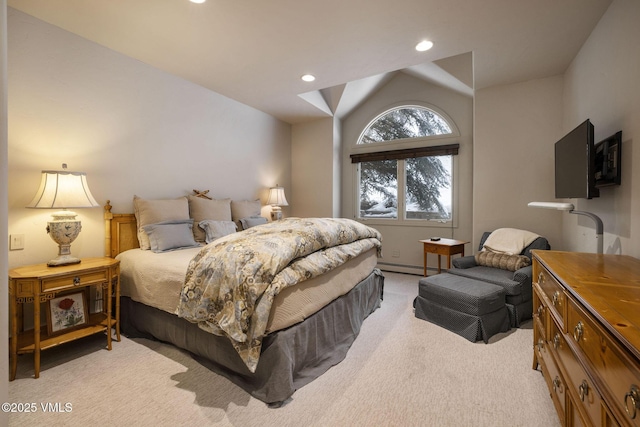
{"x": 16, "y": 242}
{"x": 395, "y": 254}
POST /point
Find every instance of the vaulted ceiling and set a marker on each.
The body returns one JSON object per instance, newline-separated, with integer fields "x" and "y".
{"x": 255, "y": 51}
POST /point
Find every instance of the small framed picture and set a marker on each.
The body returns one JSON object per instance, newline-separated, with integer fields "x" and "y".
{"x": 67, "y": 312}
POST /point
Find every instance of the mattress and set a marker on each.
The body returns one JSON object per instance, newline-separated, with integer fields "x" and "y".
{"x": 156, "y": 279}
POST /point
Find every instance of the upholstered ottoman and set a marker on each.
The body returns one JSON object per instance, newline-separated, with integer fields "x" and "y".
{"x": 470, "y": 308}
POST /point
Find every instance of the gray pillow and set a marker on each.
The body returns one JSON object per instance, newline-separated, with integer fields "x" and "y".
{"x": 216, "y": 229}
{"x": 252, "y": 221}
{"x": 170, "y": 235}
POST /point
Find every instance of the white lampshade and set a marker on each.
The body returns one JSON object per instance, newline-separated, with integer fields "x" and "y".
{"x": 276, "y": 197}
{"x": 61, "y": 190}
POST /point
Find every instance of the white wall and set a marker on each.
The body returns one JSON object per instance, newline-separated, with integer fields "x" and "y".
{"x": 516, "y": 127}
{"x": 602, "y": 84}
{"x": 4, "y": 290}
{"x": 132, "y": 128}
{"x": 404, "y": 240}
{"x": 312, "y": 169}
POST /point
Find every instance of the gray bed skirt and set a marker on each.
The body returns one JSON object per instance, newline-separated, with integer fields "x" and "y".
{"x": 290, "y": 358}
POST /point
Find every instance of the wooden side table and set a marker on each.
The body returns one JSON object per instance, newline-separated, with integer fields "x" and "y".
{"x": 39, "y": 283}
{"x": 440, "y": 247}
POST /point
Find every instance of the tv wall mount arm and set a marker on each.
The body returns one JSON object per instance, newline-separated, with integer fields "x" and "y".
{"x": 599, "y": 228}
{"x": 570, "y": 208}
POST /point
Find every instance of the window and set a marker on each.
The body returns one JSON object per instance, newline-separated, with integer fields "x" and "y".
{"x": 417, "y": 182}
{"x": 404, "y": 122}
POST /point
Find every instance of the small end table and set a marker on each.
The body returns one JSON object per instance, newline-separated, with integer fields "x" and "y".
{"x": 440, "y": 247}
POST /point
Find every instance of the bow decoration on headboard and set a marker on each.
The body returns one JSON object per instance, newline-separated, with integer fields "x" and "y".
{"x": 202, "y": 194}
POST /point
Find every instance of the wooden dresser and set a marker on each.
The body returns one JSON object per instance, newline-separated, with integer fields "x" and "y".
{"x": 587, "y": 335}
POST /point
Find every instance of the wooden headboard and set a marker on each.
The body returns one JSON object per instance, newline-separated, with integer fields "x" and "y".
{"x": 120, "y": 232}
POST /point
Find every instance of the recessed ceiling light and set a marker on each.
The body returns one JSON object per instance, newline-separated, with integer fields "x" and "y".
{"x": 197, "y": 1}
{"x": 308, "y": 78}
{"x": 424, "y": 46}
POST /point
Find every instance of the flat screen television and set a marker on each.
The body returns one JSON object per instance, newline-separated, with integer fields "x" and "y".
{"x": 608, "y": 156}
{"x": 575, "y": 164}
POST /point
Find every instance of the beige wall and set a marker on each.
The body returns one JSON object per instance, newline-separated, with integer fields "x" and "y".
{"x": 403, "y": 241}
{"x": 132, "y": 128}
{"x": 312, "y": 169}
{"x": 602, "y": 84}
{"x": 516, "y": 127}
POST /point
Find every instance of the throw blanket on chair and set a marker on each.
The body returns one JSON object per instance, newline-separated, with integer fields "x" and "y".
{"x": 230, "y": 285}
{"x": 509, "y": 241}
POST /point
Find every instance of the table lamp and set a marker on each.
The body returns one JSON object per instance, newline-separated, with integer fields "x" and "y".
{"x": 276, "y": 199}
{"x": 63, "y": 190}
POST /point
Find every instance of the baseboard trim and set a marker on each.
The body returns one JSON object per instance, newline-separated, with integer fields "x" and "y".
{"x": 402, "y": 268}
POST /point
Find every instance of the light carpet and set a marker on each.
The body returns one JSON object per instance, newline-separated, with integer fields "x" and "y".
{"x": 401, "y": 371}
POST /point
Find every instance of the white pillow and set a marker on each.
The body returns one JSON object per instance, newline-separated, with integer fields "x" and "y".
{"x": 216, "y": 229}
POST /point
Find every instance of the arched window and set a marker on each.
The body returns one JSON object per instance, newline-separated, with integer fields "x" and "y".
{"x": 404, "y": 122}
{"x": 417, "y": 181}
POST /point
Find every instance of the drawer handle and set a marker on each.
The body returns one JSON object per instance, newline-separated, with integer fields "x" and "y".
{"x": 556, "y": 298}
{"x": 76, "y": 281}
{"x": 634, "y": 396}
{"x": 556, "y": 384}
{"x": 578, "y": 331}
{"x": 540, "y": 344}
{"x": 540, "y": 310}
{"x": 583, "y": 390}
{"x": 540, "y": 278}
{"x": 556, "y": 341}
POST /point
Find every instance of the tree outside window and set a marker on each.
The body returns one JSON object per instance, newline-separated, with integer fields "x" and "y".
{"x": 425, "y": 191}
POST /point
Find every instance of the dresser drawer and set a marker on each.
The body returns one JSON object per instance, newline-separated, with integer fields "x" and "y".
{"x": 619, "y": 372}
{"x": 584, "y": 391}
{"x": 539, "y": 311}
{"x": 72, "y": 280}
{"x": 554, "y": 380}
{"x": 552, "y": 289}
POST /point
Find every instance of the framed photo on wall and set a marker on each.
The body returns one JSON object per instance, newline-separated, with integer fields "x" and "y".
{"x": 67, "y": 312}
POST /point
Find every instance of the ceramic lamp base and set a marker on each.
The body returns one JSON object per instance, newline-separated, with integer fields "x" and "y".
{"x": 276, "y": 214}
{"x": 64, "y": 230}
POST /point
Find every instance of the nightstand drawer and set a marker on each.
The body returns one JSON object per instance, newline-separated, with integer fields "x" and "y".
{"x": 72, "y": 280}
{"x": 24, "y": 288}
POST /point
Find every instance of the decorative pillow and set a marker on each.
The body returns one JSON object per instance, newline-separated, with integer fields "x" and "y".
{"x": 244, "y": 209}
{"x": 170, "y": 235}
{"x": 216, "y": 229}
{"x": 203, "y": 209}
{"x": 502, "y": 261}
{"x": 155, "y": 211}
{"x": 252, "y": 221}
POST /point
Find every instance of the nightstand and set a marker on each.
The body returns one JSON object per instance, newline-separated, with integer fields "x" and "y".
{"x": 65, "y": 291}
{"x": 440, "y": 247}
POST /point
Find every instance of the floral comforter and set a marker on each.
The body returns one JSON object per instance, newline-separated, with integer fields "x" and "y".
{"x": 230, "y": 285}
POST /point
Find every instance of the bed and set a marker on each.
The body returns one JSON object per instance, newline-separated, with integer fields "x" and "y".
{"x": 309, "y": 328}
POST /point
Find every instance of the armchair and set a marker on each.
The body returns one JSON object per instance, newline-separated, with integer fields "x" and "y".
{"x": 517, "y": 284}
